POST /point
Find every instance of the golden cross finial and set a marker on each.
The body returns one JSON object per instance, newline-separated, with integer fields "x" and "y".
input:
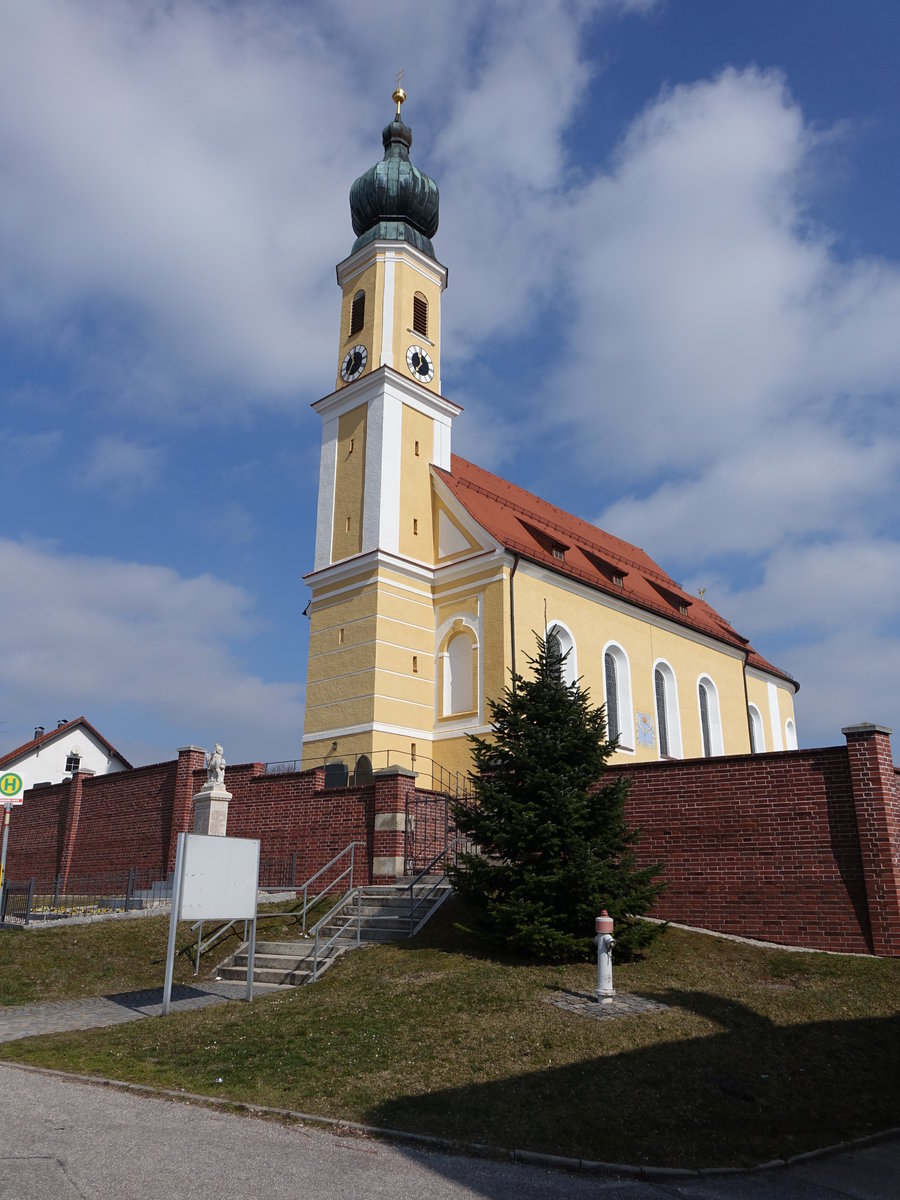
{"x": 399, "y": 95}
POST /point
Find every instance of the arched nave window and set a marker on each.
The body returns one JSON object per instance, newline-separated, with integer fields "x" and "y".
{"x": 561, "y": 651}
{"x": 710, "y": 717}
{"x": 757, "y": 731}
{"x": 790, "y": 735}
{"x": 617, "y": 681}
{"x": 668, "y": 721}
{"x": 458, "y": 658}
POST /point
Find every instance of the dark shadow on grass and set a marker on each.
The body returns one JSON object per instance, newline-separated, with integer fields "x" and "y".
{"x": 741, "y": 1096}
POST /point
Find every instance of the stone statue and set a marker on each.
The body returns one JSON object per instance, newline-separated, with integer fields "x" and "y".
{"x": 215, "y": 768}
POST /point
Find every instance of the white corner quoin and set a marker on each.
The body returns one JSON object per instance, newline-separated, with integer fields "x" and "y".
{"x": 216, "y": 879}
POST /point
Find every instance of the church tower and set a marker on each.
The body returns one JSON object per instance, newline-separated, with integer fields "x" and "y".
{"x": 370, "y": 684}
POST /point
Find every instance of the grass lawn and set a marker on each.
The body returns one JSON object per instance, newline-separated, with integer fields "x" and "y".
{"x": 67, "y": 962}
{"x": 761, "y": 1053}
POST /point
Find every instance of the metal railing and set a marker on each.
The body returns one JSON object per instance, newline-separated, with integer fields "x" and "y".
{"x": 305, "y": 907}
{"x": 357, "y": 770}
{"x": 316, "y": 932}
{"x": 415, "y": 903}
{"x": 347, "y": 873}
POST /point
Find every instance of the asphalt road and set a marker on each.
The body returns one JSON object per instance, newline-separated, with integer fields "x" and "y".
{"x": 65, "y": 1140}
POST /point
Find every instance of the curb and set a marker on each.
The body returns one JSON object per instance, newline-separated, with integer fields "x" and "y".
{"x": 531, "y": 1158}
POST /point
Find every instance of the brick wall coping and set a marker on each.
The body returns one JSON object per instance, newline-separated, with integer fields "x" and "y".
{"x": 396, "y": 771}
{"x": 671, "y": 764}
{"x": 188, "y": 749}
{"x": 866, "y": 727}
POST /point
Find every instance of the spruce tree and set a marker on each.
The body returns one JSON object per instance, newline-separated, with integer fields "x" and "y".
{"x": 555, "y": 845}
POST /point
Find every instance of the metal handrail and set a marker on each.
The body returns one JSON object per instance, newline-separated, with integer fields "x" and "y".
{"x": 307, "y": 903}
{"x": 414, "y": 904}
{"x": 356, "y": 894}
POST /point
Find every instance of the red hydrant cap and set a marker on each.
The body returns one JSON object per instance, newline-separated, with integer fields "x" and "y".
{"x": 604, "y": 923}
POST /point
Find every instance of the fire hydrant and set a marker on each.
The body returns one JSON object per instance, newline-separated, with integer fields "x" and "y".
{"x": 605, "y": 943}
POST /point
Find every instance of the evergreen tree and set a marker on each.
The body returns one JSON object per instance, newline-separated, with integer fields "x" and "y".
{"x": 555, "y": 845}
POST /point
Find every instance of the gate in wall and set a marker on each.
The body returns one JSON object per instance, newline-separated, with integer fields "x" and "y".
{"x": 429, "y": 828}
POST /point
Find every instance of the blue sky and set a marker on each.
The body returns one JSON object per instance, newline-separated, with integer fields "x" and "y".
{"x": 673, "y": 309}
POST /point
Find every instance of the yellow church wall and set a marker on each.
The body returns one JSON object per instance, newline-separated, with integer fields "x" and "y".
{"x": 408, "y": 280}
{"x": 785, "y": 709}
{"x": 349, "y": 486}
{"x": 370, "y": 281}
{"x": 758, "y": 694}
{"x": 416, "y": 532}
{"x": 594, "y": 623}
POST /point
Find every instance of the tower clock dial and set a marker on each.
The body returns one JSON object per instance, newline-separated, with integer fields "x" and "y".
{"x": 420, "y": 365}
{"x": 354, "y": 363}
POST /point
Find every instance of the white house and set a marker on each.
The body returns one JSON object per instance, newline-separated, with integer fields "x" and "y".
{"x": 51, "y": 757}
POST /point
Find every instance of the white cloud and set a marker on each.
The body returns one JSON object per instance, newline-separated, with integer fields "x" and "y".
{"x": 179, "y": 173}
{"x": 705, "y": 306}
{"x": 120, "y": 467}
{"x": 789, "y": 480}
{"x": 848, "y": 677}
{"x": 85, "y": 634}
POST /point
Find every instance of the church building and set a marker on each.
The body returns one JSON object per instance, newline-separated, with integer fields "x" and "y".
{"x": 431, "y": 573}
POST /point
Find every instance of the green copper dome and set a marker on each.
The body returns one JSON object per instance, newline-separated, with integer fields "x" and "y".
{"x": 394, "y": 200}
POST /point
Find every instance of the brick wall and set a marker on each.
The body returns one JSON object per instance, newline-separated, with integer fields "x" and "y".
{"x": 764, "y": 846}
{"x": 800, "y": 847}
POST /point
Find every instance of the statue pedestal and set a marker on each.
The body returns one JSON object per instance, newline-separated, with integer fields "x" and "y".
{"x": 211, "y": 810}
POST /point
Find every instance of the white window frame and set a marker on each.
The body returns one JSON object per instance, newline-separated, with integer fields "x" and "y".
{"x": 623, "y": 697}
{"x": 673, "y": 711}
{"x": 714, "y": 715}
{"x": 790, "y": 735}
{"x": 567, "y": 645}
{"x": 759, "y": 729}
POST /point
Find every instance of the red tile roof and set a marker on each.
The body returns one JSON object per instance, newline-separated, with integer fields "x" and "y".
{"x": 545, "y": 534}
{"x": 52, "y": 734}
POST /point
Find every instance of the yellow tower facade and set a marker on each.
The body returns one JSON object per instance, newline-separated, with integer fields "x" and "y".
{"x": 370, "y": 678}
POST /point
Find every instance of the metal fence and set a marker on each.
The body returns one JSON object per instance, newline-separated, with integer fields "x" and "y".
{"x": 27, "y": 901}
{"x": 358, "y": 770}
{"x": 82, "y": 895}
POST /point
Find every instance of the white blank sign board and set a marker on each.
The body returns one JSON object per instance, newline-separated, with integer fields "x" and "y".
{"x": 219, "y": 878}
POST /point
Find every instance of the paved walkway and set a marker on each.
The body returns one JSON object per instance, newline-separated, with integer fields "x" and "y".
{"x": 64, "y": 1140}
{"x": 62, "y": 1016}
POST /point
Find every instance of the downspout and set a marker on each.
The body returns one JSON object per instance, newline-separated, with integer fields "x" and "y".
{"x": 747, "y": 700}
{"x": 512, "y": 618}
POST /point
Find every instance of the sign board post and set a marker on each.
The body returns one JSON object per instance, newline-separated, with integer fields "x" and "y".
{"x": 10, "y": 794}
{"x": 216, "y": 879}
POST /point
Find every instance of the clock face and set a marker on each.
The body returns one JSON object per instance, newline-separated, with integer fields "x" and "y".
{"x": 354, "y": 363}
{"x": 420, "y": 365}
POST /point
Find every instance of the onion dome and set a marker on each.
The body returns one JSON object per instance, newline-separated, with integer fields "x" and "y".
{"x": 394, "y": 200}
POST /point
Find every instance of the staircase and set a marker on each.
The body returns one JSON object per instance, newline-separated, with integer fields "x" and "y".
{"x": 363, "y": 916}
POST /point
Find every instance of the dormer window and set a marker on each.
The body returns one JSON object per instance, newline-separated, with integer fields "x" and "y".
{"x": 420, "y": 314}
{"x": 618, "y": 580}
{"x": 357, "y": 313}
{"x": 559, "y": 553}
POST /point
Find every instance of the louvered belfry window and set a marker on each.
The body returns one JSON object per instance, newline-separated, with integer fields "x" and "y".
{"x": 613, "y": 728}
{"x": 357, "y": 313}
{"x": 420, "y": 314}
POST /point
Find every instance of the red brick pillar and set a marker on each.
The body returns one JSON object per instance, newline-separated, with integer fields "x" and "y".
{"x": 877, "y": 802}
{"x": 392, "y": 787}
{"x": 73, "y": 813}
{"x": 190, "y": 759}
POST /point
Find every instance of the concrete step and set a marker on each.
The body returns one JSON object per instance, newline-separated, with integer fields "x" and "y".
{"x": 384, "y": 913}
